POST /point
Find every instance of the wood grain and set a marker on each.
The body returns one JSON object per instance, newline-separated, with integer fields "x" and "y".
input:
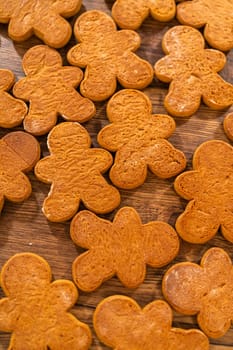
{"x": 24, "y": 228}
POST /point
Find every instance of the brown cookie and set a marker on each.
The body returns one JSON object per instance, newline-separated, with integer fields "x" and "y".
{"x": 12, "y": 111}
{"x": 204, "y": 290}
{"x": 39, "y": 17}
{"x": 122, "y": 247}
{"x": 50, "y": 89}
{"x": 209, "y": 188}
{"x": 108, "y": 56}
{"x": 120, "y": 323}
{"x": 75, "y": 172}
{"x": 35, "y": 310}
{"x": 228, "y": 125}
{"x": 138, "y": 138}
{"x": 191, "y": 71}
{"x": 131, "y": 13}
{"x": 19, "y": 152}
{"x": 215, "y": 15}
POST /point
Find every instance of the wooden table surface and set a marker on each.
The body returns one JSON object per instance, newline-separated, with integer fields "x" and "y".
{"x": 23, "y": 226}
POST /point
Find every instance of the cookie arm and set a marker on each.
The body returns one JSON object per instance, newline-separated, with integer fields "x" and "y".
{"x": 46, "y": 169}
{"x": 168, "y": 67}
{"x": 71, "y": 75}
{"x": 113, "y": 136}
{"x": 24, "y": 88}
{"x": 87, "y": 229}
{"x": 188, "y": 184}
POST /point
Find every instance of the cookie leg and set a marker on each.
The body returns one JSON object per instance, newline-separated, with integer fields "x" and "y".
{"x": 77, "y": 108}
{"x": 59, "y": 207}
{"x": 136, "y": 72}
{"x": 68, "y": 334}
{"x": 98, "y": 196}
{"x": 184, "y": 96}
{"x": 98, "y": 83}
{"x": 39, "y": 122}
{"x": 54, "y": 30}
{"x": 128, "y": 171}
{"x": 227, "y": 225}
{"x": 197, "y": 224}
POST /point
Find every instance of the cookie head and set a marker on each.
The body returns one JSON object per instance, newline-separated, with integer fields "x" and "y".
{"x": 121, "y": 248}
{"x": 208, "y": 188}
{"x": 215, "y": 16}
{"x": 204, "y": 290}
{"x": 35, "y": 309}
{"x": 44, "y": 19}
{"x": 107, "y": 56}
{"x": 119, "y": 322}
{"x": 40, "y": 57}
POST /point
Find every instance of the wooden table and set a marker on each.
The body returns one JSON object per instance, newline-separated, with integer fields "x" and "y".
{"x": 23, "y": 227}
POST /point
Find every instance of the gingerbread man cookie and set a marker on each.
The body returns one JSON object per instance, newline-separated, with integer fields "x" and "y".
{"x": 131, "y": 13}
{"x": 39, "y": 17}
{"x": 191, "y": 71}
{"x": 50, "y": 89}
{"x": 19, "y": 152}
{"x": 75, "y": 172}
{"x": 12, "y": 111}
{"x": 123, "y": 247}
{"x": 108, "y": 56}
{"x": 209, "y": 188}
{"x": 205, "y": 290}
{"x": 216, "y": 16}
{"x": 228, "y": 125}
{"x": 138, "y": 138}
{"x": 120, "y": 323}
{"x": 35, "y": 310}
